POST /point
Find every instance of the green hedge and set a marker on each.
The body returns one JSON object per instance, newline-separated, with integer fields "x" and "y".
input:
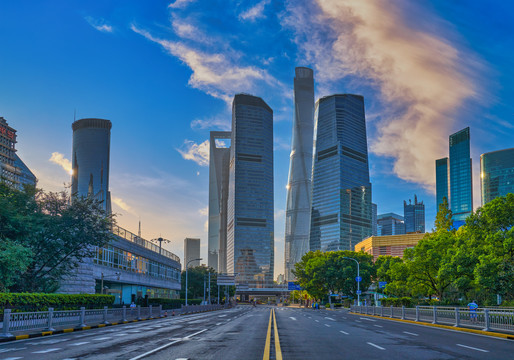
{"x": 20, "y": 302}
{"x": 173, "y": 303}
{"x": 397, "y": 302}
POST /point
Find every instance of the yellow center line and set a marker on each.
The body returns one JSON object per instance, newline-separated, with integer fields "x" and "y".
{"x": 278, "y": 351}
{"x": 268, "y": 340}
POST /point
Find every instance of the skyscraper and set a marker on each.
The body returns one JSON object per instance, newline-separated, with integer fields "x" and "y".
{"x": 457, "y": 185}
{"x": 414, "y": 216}
{"x": 374, "y": 214}
{"x": 298, "y": 204}
{"x": 250, "y": 237}
{"x": 341, "y": 191}
{"x": 496, "y": 174}
{"x": 390, "y": 224}
{"x": 219, "y": 160}
{"x": 191, "y": 252}
{"x": 90, "y": 159}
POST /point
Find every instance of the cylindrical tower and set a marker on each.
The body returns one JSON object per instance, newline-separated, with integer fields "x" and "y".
{"x": 90, "y": 159}
{"x": 298, "y": 207}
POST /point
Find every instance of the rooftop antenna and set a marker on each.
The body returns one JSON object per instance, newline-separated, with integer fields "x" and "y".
{"x": 139, "y": 232}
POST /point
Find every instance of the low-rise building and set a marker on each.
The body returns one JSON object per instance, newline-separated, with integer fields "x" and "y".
{"x": 393, "y": 245}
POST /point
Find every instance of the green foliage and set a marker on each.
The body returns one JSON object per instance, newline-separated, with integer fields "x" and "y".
{"x": 321, "y": 272}
{"x": 195, "y": 282}
{"x": 443, "y": 219}
{"x": 41, "y": 302}
{"x": 46, "y": 235}
{"x": 397, "y": 302}
{"x": 173, "y": 303}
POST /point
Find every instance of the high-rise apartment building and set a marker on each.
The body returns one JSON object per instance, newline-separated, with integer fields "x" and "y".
{"x": 90, "y": 160}
{"x": 390, "y": 224}
{"x": 458, "y": 179}
{"x": 250, "y": 222}
{"x": 341, "y": 192}
{"x": 191, "y": 252}
{"x": 12, "y": 169}
{"x": 219, "y": 161}
{"x": 298, "y": 203}
{"x": 414, "y": 216}
{"x": 496, "y": 174}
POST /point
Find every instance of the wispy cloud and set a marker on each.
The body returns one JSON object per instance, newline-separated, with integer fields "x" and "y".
{"x": 99, "y": 24}
{"x": 180, "y": 4}
{"x": 212, "y": 123}
{"x": 215, "y": 73}
{"x": 122, "y": 204}
{"x": 199, "y": 153}
{"x": 59, "y": 159}
{"x": 255, "y": 12}
{"x": 204, "y": 211}
{"x": 423, "y": 79}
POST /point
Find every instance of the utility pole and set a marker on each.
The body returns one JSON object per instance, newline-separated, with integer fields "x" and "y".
{"x": 209, "y": 292}
{"x": 204, "y": 289}
{"x": 187, "y": 265}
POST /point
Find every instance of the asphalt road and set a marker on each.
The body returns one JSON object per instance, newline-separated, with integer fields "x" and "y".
{"x": 241, "y": 333}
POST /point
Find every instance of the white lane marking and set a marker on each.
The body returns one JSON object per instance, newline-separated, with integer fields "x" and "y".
{"x": 12, "y": 358}
{"x": 472, "y": 348}
{"x": 292, "y": 318}
{"x": 218, "y": 324}
{"x": 80, "y": 343}
{"x": 121, "y": 334}
{"x": 409, "y": 333}
{"x": 327, "y": 325}
{"x": 102, "y": 338}
{"x": 344, "y": 332}
{"x": 222, "y": 315}
{"x": 358, "y": 321}
{"x": 378, "y": 347}
{"x": 167, "y": 345}
{"x": 134, "y": 331}
{"x": 366, "y": 319}
{"x": 11, "y": 349}
{"x": 316, "y": 320}
{"x": 380, "y": 326}
{"x": 45, "y": 351}
{"x": 344, "y": 317}
{"x": 329, "y": 318}
{"x": 182, "y": 359}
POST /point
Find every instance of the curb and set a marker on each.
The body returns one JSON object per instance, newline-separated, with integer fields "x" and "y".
{"x": 474, "y": 331}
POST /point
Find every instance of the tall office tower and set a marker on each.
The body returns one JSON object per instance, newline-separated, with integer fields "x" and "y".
{"x": 341, "y": 191}
{"x": 90, "y": 160}
{"x": 414, "y": 216}
{"x": 374, "y": 227}
{"x": 496, "y": 174}
{"x": 390, "y": 224}
{"x": 219, "y": 160}
{"x": 191, "y": 252}
{"x": 442, "y": 183}
{"x": 298, "y": 205}
{"x": 250, "y": 239}
{"x": 461, "y": 184}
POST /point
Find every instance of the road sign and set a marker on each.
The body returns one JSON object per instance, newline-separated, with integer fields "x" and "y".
{"x": 291, "y": 286}
{"x": 359, "y": 292}
{"x": 382, "y": 284}
{"x": 226, "y": 280}
{"x": 358, "y": 278}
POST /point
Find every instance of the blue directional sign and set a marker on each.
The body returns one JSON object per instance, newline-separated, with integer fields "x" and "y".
{"x": 359, "y": 292}
{"x": 358, "y": 279}
{"x": 291, "y": 286}
{"x": 382, "y": 284}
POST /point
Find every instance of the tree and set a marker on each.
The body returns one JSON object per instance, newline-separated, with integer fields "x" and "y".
{"x": 443, "y": 219}
{"x": 195, "y": 281}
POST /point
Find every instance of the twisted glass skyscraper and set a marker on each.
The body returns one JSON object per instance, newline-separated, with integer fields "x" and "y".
{"x": 250, "y": 222}
{"x": 298, "y": 205}
{"x": 341, "y": 191}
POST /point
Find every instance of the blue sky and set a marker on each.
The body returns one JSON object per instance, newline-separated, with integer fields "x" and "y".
{"x": 165, "y": 72}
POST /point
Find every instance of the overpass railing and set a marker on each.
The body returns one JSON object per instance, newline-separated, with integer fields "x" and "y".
{"x": 483, "y": 318}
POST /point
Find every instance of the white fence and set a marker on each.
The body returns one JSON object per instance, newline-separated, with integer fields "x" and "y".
{"x": 484, "y": 319}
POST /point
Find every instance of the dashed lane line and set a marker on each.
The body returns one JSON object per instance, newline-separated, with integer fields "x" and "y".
{"x": 343, "y": 332}
{"x": 80, "y": 343}
{"x": 378, "y": 347}
{"x": 45, "y": 351}
{"x": 166, "y": 345}
{"x": 363, "y": 318}
{"x": 472, "y": 348}
{"x": 328, "y": 318}
{"x": 292, "y": 318}
{"x": 327, "y": 325}
{"x": 358, "y": 321}
{"x": 410, "y": 333}
{"x": 379, "y": 326}
{"x": 218, "y": 324}
{"x": 102, "y": 338}
{"x": 316, "y": 320}
{"x": 13, "y": 358}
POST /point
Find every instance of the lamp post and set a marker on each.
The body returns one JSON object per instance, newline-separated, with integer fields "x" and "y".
{"x": 187, "y": 265}
{"x": 358, "y": 282}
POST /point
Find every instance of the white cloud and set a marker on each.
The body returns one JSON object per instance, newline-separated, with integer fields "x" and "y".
{"x": 122, "y": 204}
{"x": 204, "y": 211}
{"x": 199, "y": 153}
{"x": 255, "y": 12}
{"x": 423, "y": 79}
{"x": 216, "y": 74}
{"x": 59, "y": 159}
{"x": 180, "y": 4}
{"x": 213, "y": 123}
{"x": 99, "y": 24}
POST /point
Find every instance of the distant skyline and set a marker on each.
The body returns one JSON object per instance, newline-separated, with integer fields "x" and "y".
{"x": 165, "y": 73}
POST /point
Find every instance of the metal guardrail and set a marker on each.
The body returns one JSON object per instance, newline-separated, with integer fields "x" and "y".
{"x": 483, "y": 318}
{"x": 49, "y": 320}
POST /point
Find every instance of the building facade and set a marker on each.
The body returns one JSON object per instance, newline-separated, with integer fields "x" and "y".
{"x": 414, "y": 216}
{"x": 441, "y": 179}
{"x": 374, "y": 219}
{"x": 90, "y": 160}
{"x": 191, "y": 252}
{"x": 341, "y": 192}
{"x": 496, "y": 174}
{"x": 219, "y": 161}
{"x": 390, "y": 224}
{"x": 250, "y": 222}
{"x": 392, "y": 245}
{"x": 298, "y": 203}
{"x": 12, "y": 169}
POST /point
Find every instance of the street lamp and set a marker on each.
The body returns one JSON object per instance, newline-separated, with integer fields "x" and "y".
{"x": 160, "y": 240}
{"x": 187, "y": 264}
{"x": 358, "y": 280}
